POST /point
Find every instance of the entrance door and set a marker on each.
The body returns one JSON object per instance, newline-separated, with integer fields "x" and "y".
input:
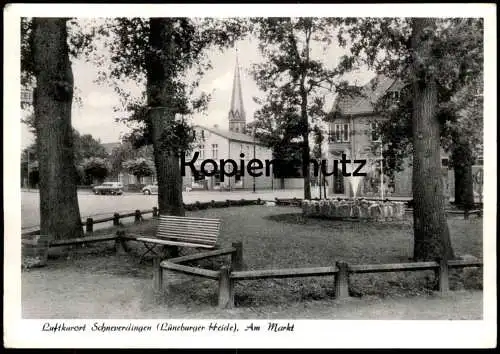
{"x": 338, "y": 184}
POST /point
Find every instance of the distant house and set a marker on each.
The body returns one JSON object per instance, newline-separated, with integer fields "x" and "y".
{"x": 217, "y": 144}
{"x": 127, "y": 179}
{"x": 232, "y": 143}
{"x": 109, "y": 147}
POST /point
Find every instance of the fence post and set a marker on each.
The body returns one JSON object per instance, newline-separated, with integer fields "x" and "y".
{"x": 155, "y": 211}
{"x": 116, "y": 219}
{"x": 258, "y": 201}
{"x": 226, "y": 296}
{"x": 138, "y": 216}
{"x": 89, "y": 225}
{"x": 342, "y": 280}
{"x": 237, "y": 257}
{"x": 444, "y": 285}
{"x": 120, "y": 243}
{"x": 157, "y": 275}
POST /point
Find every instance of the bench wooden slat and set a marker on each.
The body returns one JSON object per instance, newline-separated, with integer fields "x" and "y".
{"x": 166, "y": 234}
{"x": 191, "y": 224}
{"x": 174, "y": 243}
{"x": 192, "y": 230}
{"x": 180, "y": 239}
{"x": 188, "y": 234}
{"x": 205, "y": 220}
{"x": 186, "y": 239}
{"x": 194, "y": 220}
{"x": 188, "y": 227}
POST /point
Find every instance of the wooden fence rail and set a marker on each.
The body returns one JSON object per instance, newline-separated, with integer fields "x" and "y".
{"x": 228, "y": 276}
{"x": 226, "y": 284}
{"x": 283, "y": 273}
{"x": 75, "y": 241}
{"x": 137, "y": 214}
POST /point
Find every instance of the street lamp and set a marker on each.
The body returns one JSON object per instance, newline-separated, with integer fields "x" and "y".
{"x": 381, "y": 171}
{"x": 28, "y": 169}
{"x": 253, "y": 131}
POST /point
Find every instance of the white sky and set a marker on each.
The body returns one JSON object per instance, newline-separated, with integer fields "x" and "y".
{"x": 96, "y": 116}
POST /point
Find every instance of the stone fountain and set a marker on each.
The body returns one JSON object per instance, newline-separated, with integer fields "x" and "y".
{"x": 354, "y": 207}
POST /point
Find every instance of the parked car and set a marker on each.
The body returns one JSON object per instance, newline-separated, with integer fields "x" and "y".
{"x": 115, "y": 188}
{"x": 150, "y": 189}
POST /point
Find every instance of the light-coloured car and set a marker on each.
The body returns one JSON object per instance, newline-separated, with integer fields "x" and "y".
{"x": 115, "y": 188}
{"x": 150, "y": 189}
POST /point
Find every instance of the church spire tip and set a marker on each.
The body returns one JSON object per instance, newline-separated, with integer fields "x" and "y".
{"x": 237, "y": 118}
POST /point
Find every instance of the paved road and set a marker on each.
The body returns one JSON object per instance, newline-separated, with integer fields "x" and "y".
{"x": 105, "y": 205}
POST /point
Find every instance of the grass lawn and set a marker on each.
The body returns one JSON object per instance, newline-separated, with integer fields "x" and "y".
{"x": 277, "y": 237}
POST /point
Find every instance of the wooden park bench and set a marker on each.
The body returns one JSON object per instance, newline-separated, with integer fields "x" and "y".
{"x": 181, "y": 231}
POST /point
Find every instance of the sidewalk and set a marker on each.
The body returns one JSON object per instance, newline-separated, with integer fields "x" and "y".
{"x": 64, "y": 293}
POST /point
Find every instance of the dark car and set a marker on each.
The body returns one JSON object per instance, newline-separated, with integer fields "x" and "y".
{"x": 114, "y": 188}
{"x": 150, "y": 189}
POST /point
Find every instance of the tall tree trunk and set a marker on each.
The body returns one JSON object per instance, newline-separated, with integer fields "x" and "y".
{"x": 462, "y": 160}
{"x": 431, "y": 233}
{"x": 59, "y": 211}
{"x": 162, "y": 112}
{"x": 305, "y": 148}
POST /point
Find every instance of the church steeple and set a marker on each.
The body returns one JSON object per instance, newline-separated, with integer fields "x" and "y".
{"x": 237, "y": 117}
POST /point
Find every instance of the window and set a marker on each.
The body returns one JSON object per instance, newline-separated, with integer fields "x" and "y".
{"x": 394, "y": 96}
{"x": 346, "y": 132}
{"x": 331, "y": 136}
{"x": 444, "y": 162}
{"x": 341, "y": 133}
{"x": 237, "y": 177}
{"x": 215, "y": 151}
{"x": 478, "y": 91}
{"x": 375, "y": 126}
{"x": 199, "y": 176}
{"x": 202, "y": 151}
{"x": 237, "y": 129}
{"x": 26, "y": 96}
{"x": 203, "y": 135}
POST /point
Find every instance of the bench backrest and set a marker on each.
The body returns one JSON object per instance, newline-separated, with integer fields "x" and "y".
{"x": 189, "y": 230}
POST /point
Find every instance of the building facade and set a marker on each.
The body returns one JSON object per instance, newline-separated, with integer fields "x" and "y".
{"x": 353, "y": 132}
{"x": 233, "y": 144}
{"x": 218, "y": 144}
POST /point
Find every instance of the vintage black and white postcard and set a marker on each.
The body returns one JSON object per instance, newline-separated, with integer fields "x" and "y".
{"x": 250, "y": 176}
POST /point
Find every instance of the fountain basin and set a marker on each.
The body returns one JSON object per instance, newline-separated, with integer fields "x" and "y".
{"x": 354, "y": 209}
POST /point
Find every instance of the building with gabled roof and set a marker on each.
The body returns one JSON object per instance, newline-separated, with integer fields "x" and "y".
{"x": 234, "y": 143}
{"x": 353, "y": 132}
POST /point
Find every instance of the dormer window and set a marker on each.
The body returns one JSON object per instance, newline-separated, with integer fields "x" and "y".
{"x": 340, "y": 133}
{"x": 374, "y": 127}
{"x": 394, "y": 96}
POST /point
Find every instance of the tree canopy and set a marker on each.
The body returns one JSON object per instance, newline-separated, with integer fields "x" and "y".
{"x": 433, "y": 59}
{"x": 294, "y": 80}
